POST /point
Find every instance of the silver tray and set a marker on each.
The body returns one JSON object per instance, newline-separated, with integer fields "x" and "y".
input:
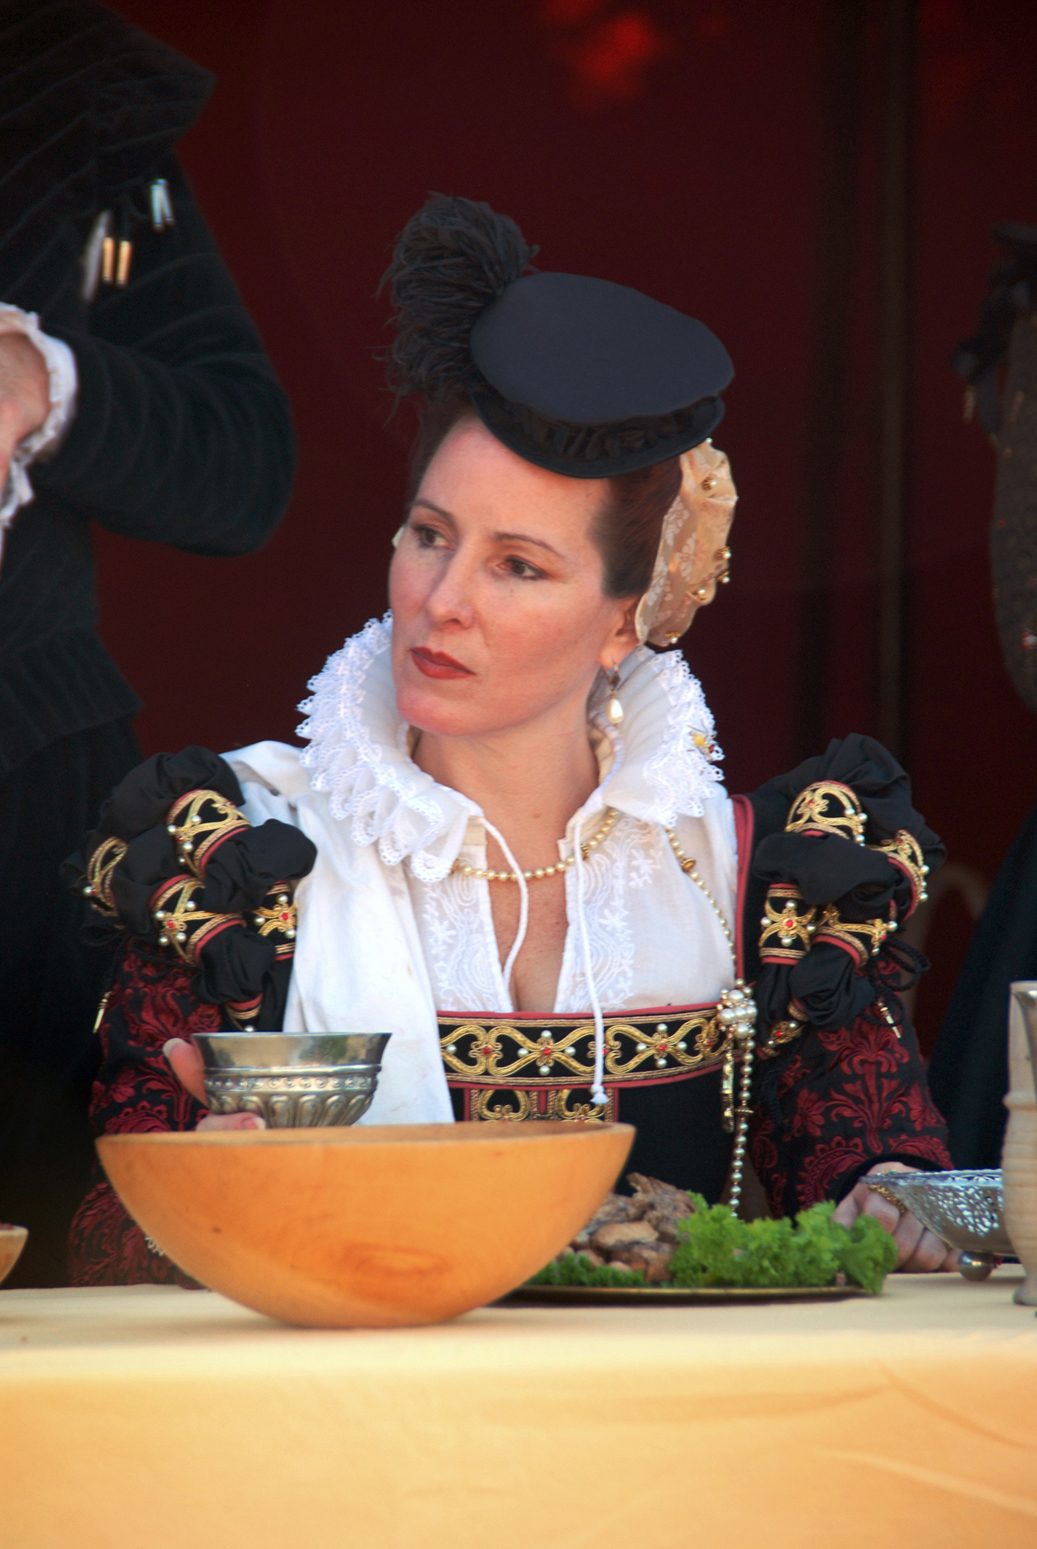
{"x": 671, "y": 1296}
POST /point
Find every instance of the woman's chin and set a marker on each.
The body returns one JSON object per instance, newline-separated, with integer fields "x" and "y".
{"x": 429, "y": 710}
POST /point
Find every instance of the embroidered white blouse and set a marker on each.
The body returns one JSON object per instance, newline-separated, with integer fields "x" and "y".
{"x": 387, "y": 927}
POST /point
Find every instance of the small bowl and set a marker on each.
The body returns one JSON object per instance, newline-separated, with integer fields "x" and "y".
{"x": 12, "y": 1241}
{"x": 369, "y": 1227}
{"x": 964, "y": 1208}
{"x": 293, "y": 1080}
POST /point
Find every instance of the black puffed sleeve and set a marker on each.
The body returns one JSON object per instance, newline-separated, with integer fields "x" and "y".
{"x": 843, "y": 1087}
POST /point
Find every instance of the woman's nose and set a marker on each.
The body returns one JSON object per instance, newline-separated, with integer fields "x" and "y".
{"x": 451, "y": 598}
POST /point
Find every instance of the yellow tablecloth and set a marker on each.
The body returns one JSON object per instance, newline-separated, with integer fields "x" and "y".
{"x": 160, "y": 1419}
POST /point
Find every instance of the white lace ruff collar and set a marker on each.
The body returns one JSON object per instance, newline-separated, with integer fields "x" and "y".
{"x": 663, "y": 764}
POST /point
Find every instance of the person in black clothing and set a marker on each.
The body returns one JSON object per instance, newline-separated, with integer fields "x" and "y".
{"x": 135, "y": 392}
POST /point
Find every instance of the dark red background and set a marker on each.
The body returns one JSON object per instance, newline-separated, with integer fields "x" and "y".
{"x": 673, "y": 145}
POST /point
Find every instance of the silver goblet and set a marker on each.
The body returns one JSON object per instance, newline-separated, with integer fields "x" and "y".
{"x": 292, "y": 1080}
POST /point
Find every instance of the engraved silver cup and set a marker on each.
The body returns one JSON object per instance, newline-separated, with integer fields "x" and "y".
{"x": 964, "y": 1208}
{"x": 293, "y": 1080}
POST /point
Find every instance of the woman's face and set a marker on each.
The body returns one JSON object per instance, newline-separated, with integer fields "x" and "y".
{"x": 499, "y": 617}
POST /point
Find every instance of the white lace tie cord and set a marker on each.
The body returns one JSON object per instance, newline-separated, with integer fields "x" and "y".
{"x": 520, "y": 936}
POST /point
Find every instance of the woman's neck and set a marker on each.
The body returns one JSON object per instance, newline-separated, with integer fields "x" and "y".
{"x": 528, "y": 780}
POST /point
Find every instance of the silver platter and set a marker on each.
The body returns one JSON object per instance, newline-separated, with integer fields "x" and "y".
{"x": 671, "y": 1296}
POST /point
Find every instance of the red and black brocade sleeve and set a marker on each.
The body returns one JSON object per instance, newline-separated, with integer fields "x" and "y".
{"x": 839, "y": 1084}
{"x": 203, "y": 903}
{"x": 836, "y": 1104}
{"x": 150, "y": 1001}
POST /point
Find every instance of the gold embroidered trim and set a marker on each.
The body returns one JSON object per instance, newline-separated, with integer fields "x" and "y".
{"x": 278, "y": 917}
{"x": 905, "y": 851}
{"x": 181, "y": 921}
{"x": 636, "y": 1048}
{"x": 862, "y": 938}
{"x": 782, "y": 1033}
{"x": 199, "y": 822}
{"x": 99, "y": 870}
{"x": 786, "y": 920}
{"x": 827, "y": 807}
{"x": 516, "y": 1105}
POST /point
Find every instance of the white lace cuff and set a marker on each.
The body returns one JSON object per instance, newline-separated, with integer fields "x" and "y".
{"x": 64, "y": 382}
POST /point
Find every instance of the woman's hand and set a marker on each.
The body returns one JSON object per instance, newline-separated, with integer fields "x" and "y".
{"x": 186, "y": 1064}
{"x": 24, "y": 394}
{"x": 918, "y": 1249}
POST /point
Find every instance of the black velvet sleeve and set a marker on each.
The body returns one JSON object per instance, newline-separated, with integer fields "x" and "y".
{"x": 182, "y": 433}
{"x": 850, "y": 1089}
{"x": 240, "y": 893}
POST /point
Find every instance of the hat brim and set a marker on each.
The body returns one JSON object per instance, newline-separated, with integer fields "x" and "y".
{"x": 656, "y": 448}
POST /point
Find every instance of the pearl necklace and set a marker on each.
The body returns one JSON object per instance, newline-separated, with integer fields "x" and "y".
{"x": 737, "y": 1016}
{"x": 690, "y": 868}
{"x": 482, "y": 874}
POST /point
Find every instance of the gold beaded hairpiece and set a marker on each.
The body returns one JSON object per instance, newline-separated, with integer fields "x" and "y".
{"x": 693, "y": 557}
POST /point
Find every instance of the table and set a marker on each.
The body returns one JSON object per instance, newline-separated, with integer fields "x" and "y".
{"x": 148, "y": 1418}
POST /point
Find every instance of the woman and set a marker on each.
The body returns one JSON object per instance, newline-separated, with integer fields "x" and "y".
{"x": 514, "y": 848}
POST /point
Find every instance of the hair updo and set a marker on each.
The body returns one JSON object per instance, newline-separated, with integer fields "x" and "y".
{"x": 453, "y": 258}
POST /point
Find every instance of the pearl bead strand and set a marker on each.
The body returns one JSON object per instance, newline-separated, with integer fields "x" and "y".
{"x": 690, "y": 868}
{"x": 483, "y": 874}
{"x": 737, "y": 1014}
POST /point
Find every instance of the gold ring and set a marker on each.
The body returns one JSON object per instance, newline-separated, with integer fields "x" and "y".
{"x": 887, "y": 1193}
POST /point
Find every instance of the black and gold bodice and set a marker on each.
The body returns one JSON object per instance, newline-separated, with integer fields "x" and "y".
{"x": 669, "y": 1071}
{"x": 831, "y": 864}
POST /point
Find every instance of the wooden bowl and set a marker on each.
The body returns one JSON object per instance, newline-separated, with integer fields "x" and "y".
{"x": 12, "y": 1241}
{"x": 367, "y": 1227}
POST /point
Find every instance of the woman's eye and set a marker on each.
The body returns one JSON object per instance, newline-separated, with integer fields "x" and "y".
{"x": 522, "y": 569}
{"x": 427, "y": 537}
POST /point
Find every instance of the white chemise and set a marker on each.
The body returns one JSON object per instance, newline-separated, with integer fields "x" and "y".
{"x": 389, "y": 933}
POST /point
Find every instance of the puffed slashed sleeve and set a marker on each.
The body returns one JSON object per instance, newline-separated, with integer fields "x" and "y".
{"x": 182, "y": 433}
{"x": 235, "y": 970}
{"x": 135, "y": 1091}
{"x": 840, "y": 1082}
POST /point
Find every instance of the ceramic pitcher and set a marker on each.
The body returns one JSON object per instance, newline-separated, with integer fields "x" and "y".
{"x": 1019, "y": 1161}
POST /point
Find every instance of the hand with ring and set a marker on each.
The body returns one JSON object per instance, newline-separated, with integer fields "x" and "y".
{"x": 918, "y": 1249}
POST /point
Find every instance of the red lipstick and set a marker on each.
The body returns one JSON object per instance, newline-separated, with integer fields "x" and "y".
{"x": 435, "y": 664}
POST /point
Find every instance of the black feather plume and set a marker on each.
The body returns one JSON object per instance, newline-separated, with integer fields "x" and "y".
{"x": 451, "y": 260}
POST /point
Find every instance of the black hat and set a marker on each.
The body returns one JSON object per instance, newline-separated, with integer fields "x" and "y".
{"x": 578, "y": 375}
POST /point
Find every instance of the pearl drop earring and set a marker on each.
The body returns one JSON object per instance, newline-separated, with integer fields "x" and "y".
{"x": 614, "y": 710}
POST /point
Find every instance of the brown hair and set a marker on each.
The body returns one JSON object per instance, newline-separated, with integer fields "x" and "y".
{"x": 627, "y": 529}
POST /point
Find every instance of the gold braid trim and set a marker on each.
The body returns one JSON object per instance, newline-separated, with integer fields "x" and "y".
{"x": 243, "y": 1013}
{"x": 827, "y": 807}
{"x": 562, "y": 1051}
{"x": 181, "y": 922}
{"x": 788, "y": 925}
{"x": 99, "y": 870}
{"x": 278, "y": 918}
{"x": 782, "y": 1033}
{"x": 862, "y": 939}
{"x": 200, "y": 821}
{"x": 789, "y": 928}
{"x": 905, "y": 852}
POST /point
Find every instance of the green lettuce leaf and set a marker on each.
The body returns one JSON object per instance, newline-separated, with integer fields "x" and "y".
{"x": 577, "y": 1269}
